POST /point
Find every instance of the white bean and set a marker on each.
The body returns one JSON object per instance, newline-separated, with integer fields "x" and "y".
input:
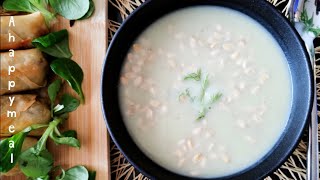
{"x": 242, "y": 43}
{"x": 154, "y": 103}
{"x": 197, "y": 158}
{"x": 170, "y": 55}
{"x": 244, "y": 64}
{"x": 235, "y": 94}
{"x": 225, "y": 158}
{"x": 213, "y": 156}
{"x": 235, "y": 55}
{"x": 140, "y": 62}
{"x": 203, "y": 162}
{"x": 164, "y": 109}
{"x": 179, "y": 35}
{"x": 137, "y": 81}
{"x": 178, "y": 153}
{"x": 192, "y": 42}
{"x": 136, "y": 69}
{"x": 124, "y": 81}
{"x": 217, "y": 35}
{"x": 214, "y": 52}
{"x": 129, "y": 75}
{"x": 254, "y": 90}
{"x": 242, "y": 85}
{"x": 181, "y": 142}
{"x": 137, "y": 47}
{"x": 171, "y": 63}
{"x": 241, "y": 124}
{"x": 152, "y": 91}
{"x": 213, "y": 45}
{"x": 211, "y": 146}
{"x": 149, "y": 113}
{"x": 208, "y": 134}
{"x": 197, "y": 131}
{"x": 250, "y": 139}
{"x": 189, "y": 144}
{"x": 194, "y": 173}
{"x": 218, "y": 27}
{"x": 181, "y": 162}
{"x": 227, "y": 46}
{"x": 130, "y": 57}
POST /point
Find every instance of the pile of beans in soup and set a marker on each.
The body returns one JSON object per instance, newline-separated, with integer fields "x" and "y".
{"x": 205, "y": 91}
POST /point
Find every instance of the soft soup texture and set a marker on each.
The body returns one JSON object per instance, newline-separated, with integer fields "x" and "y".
{"x": 226, "y": 115}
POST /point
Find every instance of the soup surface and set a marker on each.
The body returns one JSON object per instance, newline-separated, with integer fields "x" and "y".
{"x": 205, "y": 91}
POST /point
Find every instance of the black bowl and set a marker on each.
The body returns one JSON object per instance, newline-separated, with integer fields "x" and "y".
{"x": 266, "y": 15}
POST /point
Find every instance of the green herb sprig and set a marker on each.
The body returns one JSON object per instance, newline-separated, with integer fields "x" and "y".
{"x": 204, "y": 87}
{"x": 187, "y": 93}
{"x": 204, "y": 106}
{"x": 194, "y": 76}
{"x": 308, "y": 22}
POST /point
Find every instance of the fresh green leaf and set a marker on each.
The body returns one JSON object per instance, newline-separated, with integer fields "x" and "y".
{"x": 71, "y": 72}
{"x": 77, "y": 173}
{"x": 37, "y": 161}
{"x": 34, "y": 164}
{"x": 5, "y": 151}
{"x": 70, "y": 9}
{"x": 70, "y": 104}
{"x": 19, "y": 5}
{"x": 53, "y": 90}
{"x": 55, "y": 44}
{"x": 308, "y": 22}
{"x": 41, "y": 144}
{"x": 194, "y": 76}
{"x": 71, "y": 141}
{"x": 17, "y": 139}
{"x": 69, "y": 133}
{"x": 315, "y": 31}
{"x": 90, "y": 11}
{"x": 29, "y": 6}
{"x": 215, "y": 97}
{"x": 92, "y": 175}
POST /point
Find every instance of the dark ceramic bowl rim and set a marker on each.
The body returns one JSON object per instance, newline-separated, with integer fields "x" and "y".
{"x": 289, "y": 139}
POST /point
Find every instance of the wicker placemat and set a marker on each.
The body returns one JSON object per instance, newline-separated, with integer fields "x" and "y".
{"x": 293, "y": 169}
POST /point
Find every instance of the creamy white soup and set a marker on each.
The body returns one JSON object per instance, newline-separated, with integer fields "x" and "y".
{"x": 205, "y": 91}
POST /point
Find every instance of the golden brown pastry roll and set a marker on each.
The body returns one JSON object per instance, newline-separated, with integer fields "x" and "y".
{"x": 27, "y": 143}
{"x": 23, "y": 112}
{"x": 28, "y": 70}
{"x": 27, "y": 27}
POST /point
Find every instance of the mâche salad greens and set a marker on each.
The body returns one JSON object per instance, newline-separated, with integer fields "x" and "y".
{"x": 71, "y": 9}
{"x": 37, "y": 162}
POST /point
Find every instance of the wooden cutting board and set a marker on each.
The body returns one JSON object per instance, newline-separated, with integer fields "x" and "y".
{"x": 88, "y": 43}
